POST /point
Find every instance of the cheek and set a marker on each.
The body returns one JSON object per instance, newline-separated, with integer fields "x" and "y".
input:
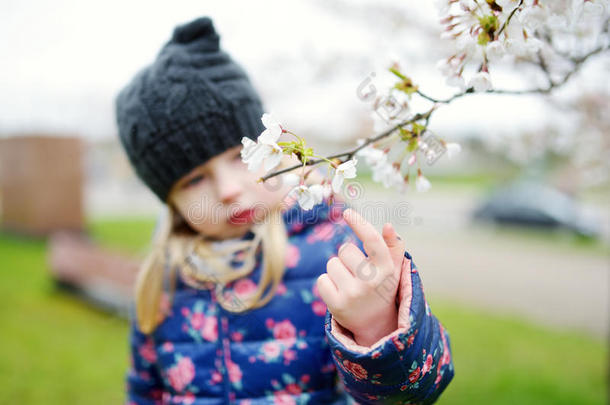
{"x": 195, "y": 206}
{"x": 271, "y": 192}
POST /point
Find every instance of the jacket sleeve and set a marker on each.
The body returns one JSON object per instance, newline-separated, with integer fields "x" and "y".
{"x": 411, "y": 365}
{"x": 143, "y": 382}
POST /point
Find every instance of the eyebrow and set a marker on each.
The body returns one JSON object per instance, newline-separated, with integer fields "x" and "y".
{"x": 200, "y": 170}
{"x": 189, "y": 178}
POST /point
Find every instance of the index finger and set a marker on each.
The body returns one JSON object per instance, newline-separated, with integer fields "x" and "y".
{"x": 374, "y": 244}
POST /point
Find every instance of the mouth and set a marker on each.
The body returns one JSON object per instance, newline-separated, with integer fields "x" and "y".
{"x": 242, "y": 217}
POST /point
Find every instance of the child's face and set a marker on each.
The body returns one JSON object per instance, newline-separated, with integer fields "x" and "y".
{"x": 210, "y": 196}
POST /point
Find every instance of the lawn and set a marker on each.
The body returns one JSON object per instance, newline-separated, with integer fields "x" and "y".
{"x": 57, "y": 350}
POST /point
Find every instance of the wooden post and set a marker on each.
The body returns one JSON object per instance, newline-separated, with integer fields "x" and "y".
{"x": 41, "y": 184}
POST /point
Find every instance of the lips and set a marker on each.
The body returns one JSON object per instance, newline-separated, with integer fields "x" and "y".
{"x": 242, "y": 217}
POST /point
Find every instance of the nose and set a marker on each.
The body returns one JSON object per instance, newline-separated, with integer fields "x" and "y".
{"x": 228, "y": 187}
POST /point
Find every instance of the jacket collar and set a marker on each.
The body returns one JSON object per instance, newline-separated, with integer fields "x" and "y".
{"x": 296, "y": 219}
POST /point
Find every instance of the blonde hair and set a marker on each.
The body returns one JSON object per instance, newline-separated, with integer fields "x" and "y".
{"x": 172, "y": 252}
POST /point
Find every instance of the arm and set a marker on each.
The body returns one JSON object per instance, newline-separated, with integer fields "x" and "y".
{"x": 408, "y": 362}
{"x": 413, "y": 363}
{"x": 143, "y": 382}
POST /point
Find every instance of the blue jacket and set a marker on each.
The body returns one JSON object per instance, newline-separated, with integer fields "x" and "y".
{"x": 291, "y": 350}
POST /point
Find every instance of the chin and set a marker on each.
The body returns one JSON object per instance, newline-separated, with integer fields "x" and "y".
{"x": 235, "y": 232}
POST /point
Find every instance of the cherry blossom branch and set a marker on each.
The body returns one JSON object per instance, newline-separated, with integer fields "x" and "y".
{"x": 349, "y": 154}
{"x": 541, "y": 63}
{"x": 484, "y": 32}
{"x": 512, "y": 13}
{"x": 553, "y": 85}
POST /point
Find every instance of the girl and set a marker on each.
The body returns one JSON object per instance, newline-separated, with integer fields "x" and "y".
{"x": 246, "y": 298}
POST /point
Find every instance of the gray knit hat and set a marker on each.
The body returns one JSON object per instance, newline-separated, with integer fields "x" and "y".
{"x": 192, "y": 103}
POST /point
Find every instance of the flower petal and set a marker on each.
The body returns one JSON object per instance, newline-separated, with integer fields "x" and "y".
{"x": 273, "y": 159}
{"x": 337, "y": 181}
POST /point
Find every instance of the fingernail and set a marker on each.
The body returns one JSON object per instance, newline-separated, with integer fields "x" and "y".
{"x": 394, "y": 231}
{"x": 350, "y": 214}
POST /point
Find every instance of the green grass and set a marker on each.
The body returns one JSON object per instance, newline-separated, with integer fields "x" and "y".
{"x": 474, "y": 182}
{"x": 504, "y": 360}
{"x": 543, "y": 239}
{"x": 54, "y": 350}
{"x": 130, "y": 235}
{"x": 57, "y": 350}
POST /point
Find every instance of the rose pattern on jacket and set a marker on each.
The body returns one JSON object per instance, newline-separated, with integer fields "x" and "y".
{"x": 276, "y": 354}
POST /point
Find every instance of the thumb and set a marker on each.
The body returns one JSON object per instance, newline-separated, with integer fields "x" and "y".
{"x": 395, "y": 244}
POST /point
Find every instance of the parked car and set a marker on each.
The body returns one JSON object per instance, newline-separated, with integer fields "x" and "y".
{"x": 535, "y": 204}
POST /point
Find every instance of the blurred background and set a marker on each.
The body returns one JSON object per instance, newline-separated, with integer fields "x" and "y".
{"x": 512, "y": 240}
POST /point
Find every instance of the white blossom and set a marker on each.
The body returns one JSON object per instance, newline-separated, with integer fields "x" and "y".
{"x": 468, "y": 4}
{"x": 466, "y": 44}
{"x": 506, "y": 3}
{"x": 456, "y": 81}
{"x": 572, "y": 26}
{"x": 291, "y": 179}
{"x": 372, "y": 155}
{"x": 444, "y": 67}
{"x": 249, "y": 146}
{"x": 495, "y": 50}
{"x": 422, "y": 184}
{"x": 346, "y": 170}
{"x": 533, "y": 45}
{"x": 254, "y": 153}
{"x": 515, "y": 46}
{"x": 442, "y": 7}
{"x": 387, "y": 174}
{"x": 480, "y": 81}
{"x": 452, "y": 149}
{"x": 383, "y": 170}
{"x": 532, "y": 17}
{"x": 556, "y": 21}
{"x": 274, "y": 158}
{"x": 266, "y": 148}
{"x": 594, "y": 8}
{"x": 308, "y": 196}
{"x": 272, "y": 131}
{"x": 412, "y": 159}
{"x": 397, "y": 151}
{"x": 326, "y": 190}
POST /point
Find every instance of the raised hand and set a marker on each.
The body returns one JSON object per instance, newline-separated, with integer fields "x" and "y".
{"x": 360, "y": 291}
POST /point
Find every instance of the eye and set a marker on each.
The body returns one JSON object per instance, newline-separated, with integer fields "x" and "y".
{"x": 194, "y": 180}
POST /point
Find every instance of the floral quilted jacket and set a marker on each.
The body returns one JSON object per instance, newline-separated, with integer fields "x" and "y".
{"x": 291, "y": 350}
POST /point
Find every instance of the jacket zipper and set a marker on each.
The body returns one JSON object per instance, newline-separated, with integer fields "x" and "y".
{"x": 221, "y": 349}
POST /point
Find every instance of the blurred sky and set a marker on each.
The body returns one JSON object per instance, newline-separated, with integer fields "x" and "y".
{"x": 64, "y": 61}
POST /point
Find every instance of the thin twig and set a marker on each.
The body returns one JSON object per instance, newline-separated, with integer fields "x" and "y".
{"x": 508, "y": 19}
{"x": 349, "y": 154}
{"x": 541, "y": 62}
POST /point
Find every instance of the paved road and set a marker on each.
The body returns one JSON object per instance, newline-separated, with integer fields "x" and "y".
{"x": 554, "y": 283}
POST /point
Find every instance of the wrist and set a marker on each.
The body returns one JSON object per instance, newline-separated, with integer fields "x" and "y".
{"x": 375, "y": 331}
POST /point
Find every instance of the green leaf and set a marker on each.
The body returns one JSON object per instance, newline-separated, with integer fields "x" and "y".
{"x": 412, "y": 145}
{"x": 483, "y": 38}
{"x": 397, "y": 73}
